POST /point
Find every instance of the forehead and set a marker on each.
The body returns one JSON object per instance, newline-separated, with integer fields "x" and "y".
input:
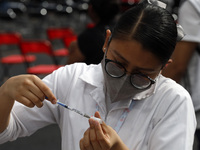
{"x": 134, "y": 53}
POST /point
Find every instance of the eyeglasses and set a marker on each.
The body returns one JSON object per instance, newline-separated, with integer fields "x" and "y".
{"x": 117, "y": 70}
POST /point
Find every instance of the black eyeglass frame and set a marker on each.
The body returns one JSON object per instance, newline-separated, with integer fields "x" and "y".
{"x": 125, "y": 71}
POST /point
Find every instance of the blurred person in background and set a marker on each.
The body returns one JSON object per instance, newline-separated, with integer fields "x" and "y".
{"x": 185, "y": 68}
{"x": 88, "y": 47}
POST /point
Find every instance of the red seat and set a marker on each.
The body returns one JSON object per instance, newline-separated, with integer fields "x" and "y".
{"x": 68, "y": 39}
{"x": 17, "y": 59}
{"x": 39, "y": 47}
{"x": 13, "y": 56}
{"x": 59, "y": 34}
{"x": 42, "y": 69}
{"x": 90, "y": 25}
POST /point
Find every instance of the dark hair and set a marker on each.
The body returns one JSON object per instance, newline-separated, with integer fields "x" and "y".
{"x": 106, "y": 9}
{"x": 152, "y": 26}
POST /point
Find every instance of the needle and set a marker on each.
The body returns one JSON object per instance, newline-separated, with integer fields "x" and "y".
{"x": 78, "y": 112}
{"x": 73, "y": 109}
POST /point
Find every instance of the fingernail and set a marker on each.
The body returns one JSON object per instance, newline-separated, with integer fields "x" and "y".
{"x": 54, "y": 101}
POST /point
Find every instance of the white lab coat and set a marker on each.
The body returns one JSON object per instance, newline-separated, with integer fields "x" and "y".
{"x": 163, "y": 121}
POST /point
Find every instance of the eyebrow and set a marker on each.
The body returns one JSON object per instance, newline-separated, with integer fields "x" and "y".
{"x": 137, "y": 68}
{"x": 121, "y": 57}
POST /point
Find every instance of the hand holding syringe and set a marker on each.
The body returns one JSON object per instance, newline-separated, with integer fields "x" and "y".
{"x": 80, "y": 113}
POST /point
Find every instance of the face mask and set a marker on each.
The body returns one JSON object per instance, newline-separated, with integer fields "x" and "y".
{"x": 118, "y": 89}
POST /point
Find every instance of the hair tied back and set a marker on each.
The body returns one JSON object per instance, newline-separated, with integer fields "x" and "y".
{"x": 180, "y": 31}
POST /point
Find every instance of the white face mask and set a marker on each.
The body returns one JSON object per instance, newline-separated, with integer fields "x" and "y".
{"x": 118, "y": 89}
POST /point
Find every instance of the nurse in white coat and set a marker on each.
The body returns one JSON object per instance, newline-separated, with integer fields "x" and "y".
{"x": 141, "y": 109}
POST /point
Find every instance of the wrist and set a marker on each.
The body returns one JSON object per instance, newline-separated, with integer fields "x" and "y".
{"x": 5, "y": 95}
{"x": 6, "y": 104}
{"x": 120, "y": 146}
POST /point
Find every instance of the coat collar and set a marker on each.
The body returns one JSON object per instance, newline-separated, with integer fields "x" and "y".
{"x": 94, "y": 76}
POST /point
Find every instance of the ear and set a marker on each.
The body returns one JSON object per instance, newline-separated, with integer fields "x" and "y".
{"x": 108, "y": 35}
{"x": 169, "y": 62}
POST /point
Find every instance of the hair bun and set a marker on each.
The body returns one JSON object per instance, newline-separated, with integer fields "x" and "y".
{"x": 180, "y": 31}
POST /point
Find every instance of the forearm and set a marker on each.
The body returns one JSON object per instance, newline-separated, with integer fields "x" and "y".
{"x": 181, "y": 58}
{"x": 28, "y": 90}
{"x": 6, "y": 105}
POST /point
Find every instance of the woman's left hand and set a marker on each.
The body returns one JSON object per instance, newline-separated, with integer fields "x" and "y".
{"x": 101, "y": 137}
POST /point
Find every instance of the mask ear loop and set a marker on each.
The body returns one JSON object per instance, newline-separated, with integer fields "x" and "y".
{"x": 110, "y": 38}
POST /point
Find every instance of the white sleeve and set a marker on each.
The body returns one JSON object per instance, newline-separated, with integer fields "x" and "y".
{"x": 178, "y": 119}
{"x": 7, "y": 134}
{"x": 25, "y": 121}
{"x": 189, "y": 18}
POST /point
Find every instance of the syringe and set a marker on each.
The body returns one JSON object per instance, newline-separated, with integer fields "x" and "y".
{"x": 73, "y": 109}
{"x": 79, "y": 112}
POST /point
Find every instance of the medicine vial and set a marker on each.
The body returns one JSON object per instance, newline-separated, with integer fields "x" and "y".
{"x": 97, "y": 119}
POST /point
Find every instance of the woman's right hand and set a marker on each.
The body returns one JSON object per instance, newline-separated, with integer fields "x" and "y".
{"x": 27, "y": 89}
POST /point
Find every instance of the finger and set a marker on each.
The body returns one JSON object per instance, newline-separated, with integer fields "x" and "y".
{"x": 86, "y": 140}
{"x": 34, "y": 99}
{"x": 45, "y": 89}
{"x": 34, "y": 94}
{"x": 81, "y": 145}
{"x": 35, "y": 89}
{"x": 97, "y": 114}
{"x": 23, "y": 100}
{"x": 100, "y": 132}
{"x": 93, "y": 137}
{"x": 32, "y": 87}
{"x": 37, "y": 92}
{"x": 105, "y": 129}
{"x": 103, "y": 140}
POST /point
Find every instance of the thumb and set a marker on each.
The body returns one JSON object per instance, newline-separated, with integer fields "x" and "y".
{"x": 105, "y": 128}
{"x": 97, "y": 115}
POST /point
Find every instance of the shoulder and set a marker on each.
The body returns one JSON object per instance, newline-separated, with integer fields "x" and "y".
{"x": 170, "y": 99}
{"x": 195, "y": 4}
{"x": 66, "y": 73}
{"x": 75, "y": 69}
{"x": 189, "y": 10}
{"x": 192, "y": 3}
{"x": 168, "y": 89}
{"x": 63, "y": 79}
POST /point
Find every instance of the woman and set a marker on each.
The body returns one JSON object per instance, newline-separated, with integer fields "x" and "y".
{"x": 141, "y": 109}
